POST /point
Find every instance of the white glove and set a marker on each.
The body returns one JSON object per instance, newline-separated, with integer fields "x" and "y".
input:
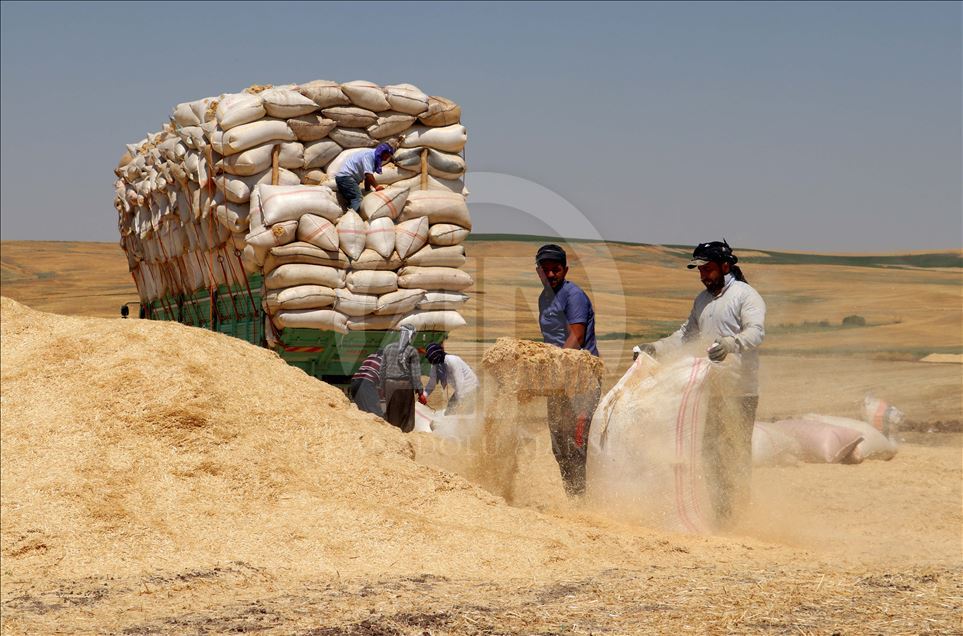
{"x": 721, "y": 348}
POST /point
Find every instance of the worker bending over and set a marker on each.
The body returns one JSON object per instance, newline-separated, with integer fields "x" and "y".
{"x": 450, "y": 371}
{"x": 365, "y": 388}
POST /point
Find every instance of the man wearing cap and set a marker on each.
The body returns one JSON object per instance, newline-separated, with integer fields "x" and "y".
{"x": 729, "y": 316}
{"x": 362, "y": 167}
{"x": 567, "y": 320}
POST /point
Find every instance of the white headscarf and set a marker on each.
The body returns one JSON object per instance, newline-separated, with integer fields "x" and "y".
{"x": 407, "y": 333}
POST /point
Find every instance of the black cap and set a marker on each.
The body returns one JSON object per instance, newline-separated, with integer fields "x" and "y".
{"x": 550, "y": 252}
{"x": 712, "y": 252}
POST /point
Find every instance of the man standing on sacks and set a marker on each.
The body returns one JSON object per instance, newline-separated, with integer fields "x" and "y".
{"x": 361, "y": 168}
{"x": 567, "y": 320}
{"x": 731, "y": 316}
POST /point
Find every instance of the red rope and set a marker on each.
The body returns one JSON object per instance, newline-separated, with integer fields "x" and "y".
{"x": 247, "y": 284}
{"x": 220, "y": 260}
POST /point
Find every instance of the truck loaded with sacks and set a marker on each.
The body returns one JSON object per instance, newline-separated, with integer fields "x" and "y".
{"x": 231, "y": 220}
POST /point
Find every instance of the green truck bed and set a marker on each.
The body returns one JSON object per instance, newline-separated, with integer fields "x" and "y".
{"x": 236, "y": 311}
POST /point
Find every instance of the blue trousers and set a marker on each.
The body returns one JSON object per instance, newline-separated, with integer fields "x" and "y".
{"x": 349, "y": 189}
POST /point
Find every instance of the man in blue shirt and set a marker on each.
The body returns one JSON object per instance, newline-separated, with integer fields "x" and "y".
{"x": 362, "y": 167}
{"x": 567, "y": 320}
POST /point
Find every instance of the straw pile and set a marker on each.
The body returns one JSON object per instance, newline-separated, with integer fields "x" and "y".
{"x": 151, "y": 481}
{"x": 535, "y": 368}
{"x": 130, "y": 446}
{"x": 244, "y": 183}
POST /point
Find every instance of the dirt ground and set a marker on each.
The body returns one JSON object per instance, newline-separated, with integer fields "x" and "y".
{"x": 149, "y": 487}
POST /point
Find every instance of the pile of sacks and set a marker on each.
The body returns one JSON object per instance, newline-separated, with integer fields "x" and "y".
{"x": 829, "y": 439}
{"x": 243, "y": 183}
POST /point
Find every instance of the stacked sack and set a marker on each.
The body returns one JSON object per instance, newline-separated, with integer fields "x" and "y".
{"x": 243, "y": 183}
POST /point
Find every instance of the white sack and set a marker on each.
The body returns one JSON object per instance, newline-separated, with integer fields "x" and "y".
{"x": 431, "y": 256}
{"x": 440, "y": 300}
{"x": 278, "y": 234}
{"x": 373, "y": 322}
{"x": 252, "y": 161}
{"x": 390, "y": 123}
{"x": 280, "y": 203}
{"x": 351, "y": 116}
{"x": 441, "y": 278}
{"x": 447, "y": 234}
{"x": 310, "y": 127}
{"x": 238, "y": 189}
{"x": 438, "y": 206}
{"x": 286, "y": 103}
{"x": 300, "y": 297}
{"x": 351, "y": 304}
{"x": 433, "y": 320}
{"x": 411, "y": 236}
{"x": 875, "y": 445}
{"x": 321, "y": 154}
{"x": 366, "y": 94}
{"x": 402, "y": 301}
{"x": 318, "y": 231}
{"x": 183, "y": 115}
{"x": 381, "y": 236}
{"x": 238, "y": 109}
{"x": 254, "y": 134}
{"x": 324, "y": 93}
{"x": 352, "y": 234}
{"x": 233, "y": 216}
{"x": 352, "y": 138}
{"x": 448, "y": 138}
{"x": 372, "y": 282}
{"x": 407, "y": 98}
{"x": 300, "y": 252}
{"x": 295, "y": 274}
{"x": 645, "y": 446}
{"x": 822, "y": 443}
{"x": 323, "y": 319}
{"x": 384, "y": 203}
{"x": 371, "y": 259}
{"x": 441, "y": 112}
{"x": 772, "y": 447}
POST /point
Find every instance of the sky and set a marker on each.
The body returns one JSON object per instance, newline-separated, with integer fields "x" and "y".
{"x": 801, "y": 126}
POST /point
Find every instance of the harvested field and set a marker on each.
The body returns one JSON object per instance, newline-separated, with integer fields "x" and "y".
{"x": 160, "y": 479}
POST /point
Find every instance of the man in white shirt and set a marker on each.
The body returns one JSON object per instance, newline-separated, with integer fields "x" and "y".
{"x": 729, "y": 316}
{"x": 451, "y": 371}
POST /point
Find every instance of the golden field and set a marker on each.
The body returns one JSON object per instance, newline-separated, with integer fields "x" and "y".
{"x": 642, "y": 292}
{"x": 161, "y": 479}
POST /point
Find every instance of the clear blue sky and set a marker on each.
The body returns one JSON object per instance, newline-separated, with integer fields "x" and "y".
{"x": 820, "y": 126}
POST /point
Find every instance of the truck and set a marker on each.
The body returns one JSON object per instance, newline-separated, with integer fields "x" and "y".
{"x": 197, "y": 240}
{"x": 236, "y": 310}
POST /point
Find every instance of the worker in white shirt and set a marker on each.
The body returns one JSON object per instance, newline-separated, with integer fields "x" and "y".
{"x": 451, "y": 372}
{"x": 729, "y": 316}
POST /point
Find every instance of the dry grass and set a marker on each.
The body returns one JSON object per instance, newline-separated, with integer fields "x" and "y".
{"x": 161, "y": 479}
{"x": 536, "y": 368}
